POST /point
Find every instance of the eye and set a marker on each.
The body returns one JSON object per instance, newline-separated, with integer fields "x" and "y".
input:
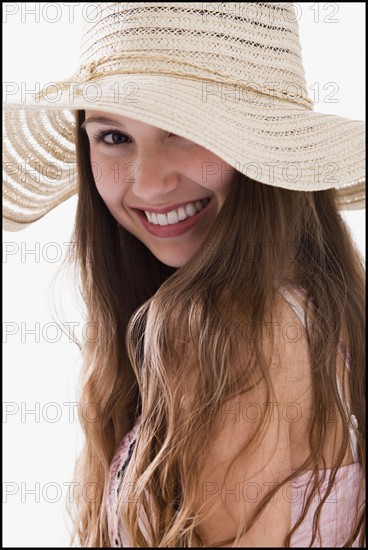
{"x": 114, "y": 137}
{"x": 109, "y": 137}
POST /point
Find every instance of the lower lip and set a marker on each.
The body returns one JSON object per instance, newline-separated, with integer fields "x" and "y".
{"x": 175, "y": 229}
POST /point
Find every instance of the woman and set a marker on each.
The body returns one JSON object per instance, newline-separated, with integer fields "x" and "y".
{"x": 229, "y": 365}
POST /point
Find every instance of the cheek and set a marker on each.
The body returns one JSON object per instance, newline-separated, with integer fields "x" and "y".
{"x": 217, "y": 175}
{"x": 110, "y": 176}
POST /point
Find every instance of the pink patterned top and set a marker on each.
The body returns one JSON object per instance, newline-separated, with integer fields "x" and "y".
{"x": 337, "y": 513}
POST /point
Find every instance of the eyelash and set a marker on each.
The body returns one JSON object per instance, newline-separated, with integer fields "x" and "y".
{"x": 101, "y": 134}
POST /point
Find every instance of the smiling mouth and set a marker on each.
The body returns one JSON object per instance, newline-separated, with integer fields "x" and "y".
{"x": 176, "y": 229}
{"x": 177, "y": 215}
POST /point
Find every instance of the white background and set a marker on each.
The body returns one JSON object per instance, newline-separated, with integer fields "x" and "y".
{"x": 41, "y": 374}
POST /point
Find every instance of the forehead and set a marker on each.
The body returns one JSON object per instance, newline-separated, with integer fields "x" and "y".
{"x": 103, "y": 117}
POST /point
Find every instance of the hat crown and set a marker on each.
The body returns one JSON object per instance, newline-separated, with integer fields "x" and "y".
{"x": 250, "y": 45}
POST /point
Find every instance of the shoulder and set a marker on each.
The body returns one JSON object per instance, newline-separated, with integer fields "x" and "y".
{"x": 283, "y": 342}
{"x": 251, "y": 449}
{"x": 285, "y": 347}
{"x": 289, "y": 352}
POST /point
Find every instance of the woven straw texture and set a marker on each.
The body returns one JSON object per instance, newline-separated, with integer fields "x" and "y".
{"x": 227, "y": 76}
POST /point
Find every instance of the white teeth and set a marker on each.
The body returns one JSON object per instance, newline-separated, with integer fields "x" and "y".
{"x": 179, "y": 214}
{"x": 191, "y": 209}
{"x": 162, "y": 219}
{"x": 182, "y": 215}
{"x": 172, "y": 216}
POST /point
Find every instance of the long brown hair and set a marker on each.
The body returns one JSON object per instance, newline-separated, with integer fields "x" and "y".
{"x": 153, "y": 320}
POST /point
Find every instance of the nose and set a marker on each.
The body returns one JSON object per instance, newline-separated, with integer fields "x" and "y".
{"x": 156, "y": 175}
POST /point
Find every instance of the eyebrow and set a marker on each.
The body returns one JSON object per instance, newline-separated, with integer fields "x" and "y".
{"x": 101, "y": 120}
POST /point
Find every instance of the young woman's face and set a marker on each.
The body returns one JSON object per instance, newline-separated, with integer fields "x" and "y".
{"x": 155, "y": 184}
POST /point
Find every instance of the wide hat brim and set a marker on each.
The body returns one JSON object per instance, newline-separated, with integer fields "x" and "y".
{"x": 273, "y": 141}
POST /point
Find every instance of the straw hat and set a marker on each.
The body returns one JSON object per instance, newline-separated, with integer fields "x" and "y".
{"x": 228, "y": 76}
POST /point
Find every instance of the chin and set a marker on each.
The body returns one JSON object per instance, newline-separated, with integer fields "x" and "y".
{"x": 172, "y": 260}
